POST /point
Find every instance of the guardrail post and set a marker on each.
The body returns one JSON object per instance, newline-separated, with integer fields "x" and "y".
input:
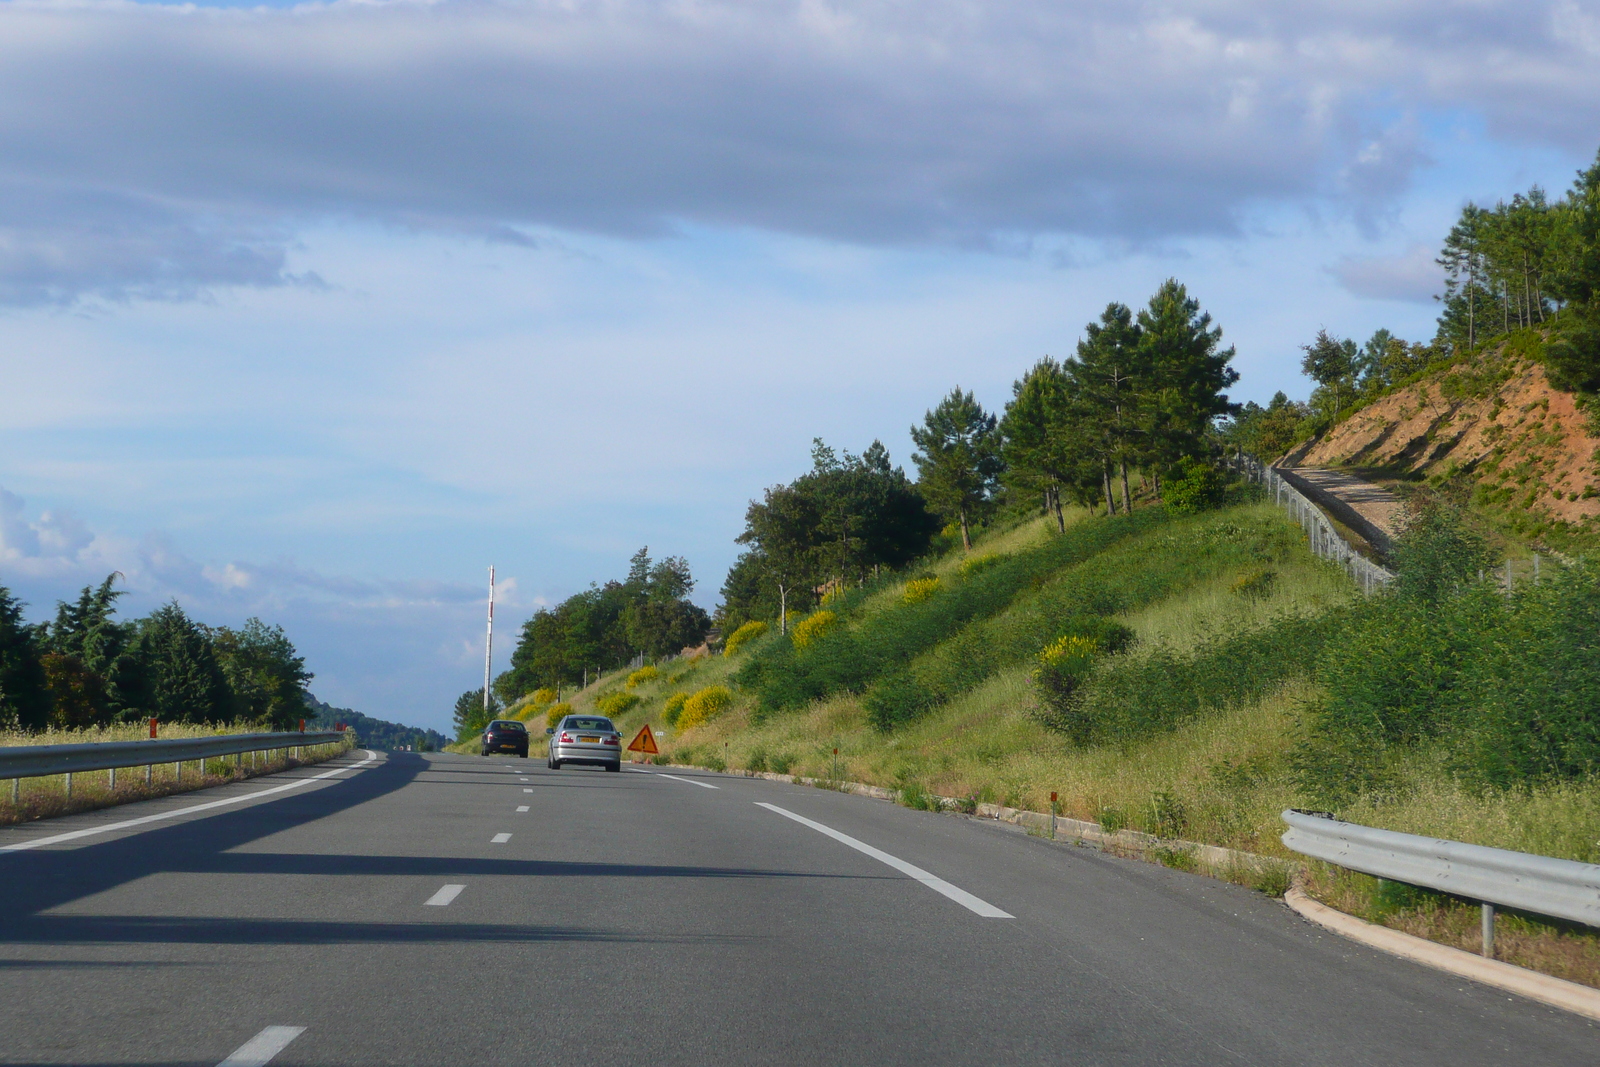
{"x": 1488, "y": 930}
{"x": 149, "y": 773}
{"x": 69, "y": 785}
{"x": 111, "y": 782}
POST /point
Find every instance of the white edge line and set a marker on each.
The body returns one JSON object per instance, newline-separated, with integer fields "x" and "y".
{"x": 938, "y": 885}
{"x": 691, "y": 781}
{"x": 259, "y": 1050}
{"x": 445, "y": 895}
{"x": 23, "y": 846}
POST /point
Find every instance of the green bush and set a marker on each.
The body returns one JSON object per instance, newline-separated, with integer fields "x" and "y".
{"x": 556, "y": 712}
{"x": 1125, "y": 698}
{"x": 647, "y": 673}
{"x": 673, "y": 708}
{"x": 1198, "y": 486}
{"x": 919, "y": 589}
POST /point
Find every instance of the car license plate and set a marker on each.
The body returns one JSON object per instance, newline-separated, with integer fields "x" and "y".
{"x": 590, "y": 740}
{"x": 507, "y": 744}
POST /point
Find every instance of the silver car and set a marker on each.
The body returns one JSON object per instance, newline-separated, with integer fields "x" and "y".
{"x": 585, "y": 739}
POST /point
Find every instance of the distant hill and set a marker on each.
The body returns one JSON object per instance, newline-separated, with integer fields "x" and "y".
{"x": 375, "y": 733}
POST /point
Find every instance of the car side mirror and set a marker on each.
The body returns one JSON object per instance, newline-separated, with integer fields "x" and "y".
{"x": 550, "y": 731}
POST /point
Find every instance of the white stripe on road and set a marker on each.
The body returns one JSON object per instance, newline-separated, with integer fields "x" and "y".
{"x": 445, "y": 895}
{"x": 23, "y": 846}
{"x": 522, "y": 807}
{"x": 691, "y": 781}
{"x": 500, "y": 839}
{"x": 527, "y": 790}
{"x": 524, "y": 779}
{"x": 938, "y": 885}
{"x": 259, "y": 1050}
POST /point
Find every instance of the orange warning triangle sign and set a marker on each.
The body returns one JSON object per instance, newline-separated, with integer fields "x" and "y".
{"x": 645, "y": 742}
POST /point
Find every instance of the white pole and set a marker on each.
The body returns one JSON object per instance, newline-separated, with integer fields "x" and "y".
{"x": 488, "y": 644}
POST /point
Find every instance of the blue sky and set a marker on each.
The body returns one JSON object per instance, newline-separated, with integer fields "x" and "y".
{"x": 312, "y": 312}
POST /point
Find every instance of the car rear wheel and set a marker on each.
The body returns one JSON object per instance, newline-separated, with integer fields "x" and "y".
{"x": 614, "y": 766}
{"x": 555, "y": 765}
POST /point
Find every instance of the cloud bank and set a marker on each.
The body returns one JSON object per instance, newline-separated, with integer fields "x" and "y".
{"x": 150, "y": 150}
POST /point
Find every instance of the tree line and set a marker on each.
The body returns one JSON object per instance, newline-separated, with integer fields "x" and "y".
{"x": 88, "y": 668}
{"x": 647, "y": 613}
{"x": 1141, "y": 395}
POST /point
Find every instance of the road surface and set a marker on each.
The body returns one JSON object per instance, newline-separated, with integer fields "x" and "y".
{"x": 440, "y": 910}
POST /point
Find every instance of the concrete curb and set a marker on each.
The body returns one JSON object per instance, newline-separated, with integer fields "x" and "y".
{"x": 1556, "y": 992}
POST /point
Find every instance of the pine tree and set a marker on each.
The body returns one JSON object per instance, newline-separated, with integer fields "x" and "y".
{"x": 182, "y": 681}
{"x": 23, "y": 697}
{"x": 958, "y": 465}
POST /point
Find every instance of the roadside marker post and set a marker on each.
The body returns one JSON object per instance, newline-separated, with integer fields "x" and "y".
{"x": 644, "y": 743}
{"x": 1054, "y": 807}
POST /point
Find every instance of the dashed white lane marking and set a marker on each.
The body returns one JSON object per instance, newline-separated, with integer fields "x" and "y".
{"x": 527, "y": 790}
{"x": 938, "y": 885}
{"x": 23, "y": 846}
{"x": 691, "y": 781}
{"x": 524, "y": 779}
{"x": 522, "y": 807}
{"x": 499, "y": 839}
{"x": 445, "y": 895}
{"x": 259, "y": 1050}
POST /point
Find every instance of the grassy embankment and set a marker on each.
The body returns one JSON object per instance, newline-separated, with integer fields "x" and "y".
{"x": 38, "y": 798}
{"x": 1189, "y": 734}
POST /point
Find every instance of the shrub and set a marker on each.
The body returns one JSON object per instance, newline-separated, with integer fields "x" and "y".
{"x": 781, "y": 763}
{"x": 647, "y": 673}
{"x": 1254, "y": 585}
{"x": 1125, "y": 698}
{"x": 673, "y": 708}
{"x": 543, "y": 696}
{"x": 974, "y": 564}
{"x": 897, "y": 699}
{"x": 757, "y": 761}
{"x": 812, "y": 628}
{"x": 556, "y": 712}
{"x": 919, "y": 589}
{"x": 704, "y": 706}
{"x": 1198, "y": 487}
{"x": 616, "y": 703}
{"x": 744, "y": 634}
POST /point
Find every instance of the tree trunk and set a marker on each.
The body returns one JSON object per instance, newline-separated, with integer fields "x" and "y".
{"x": 1105, "y": 480}
{"x": 783, "y": 608}
{"x": 1127, "y": 500}
{"x": 966, "y": 535}
{"x": 1155, "y": 479}
{"x": 1055, "y": 499}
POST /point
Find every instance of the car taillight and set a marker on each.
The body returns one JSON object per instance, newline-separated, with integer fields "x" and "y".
{"x": 613, "y": 740}
{"x": 566, "y": 738}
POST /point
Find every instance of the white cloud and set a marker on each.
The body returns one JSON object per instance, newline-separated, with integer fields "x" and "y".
{"x": 178, "y": 147}
{"x": 1411, "y": 276}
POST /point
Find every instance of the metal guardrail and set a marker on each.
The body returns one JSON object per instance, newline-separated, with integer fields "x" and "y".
{"x": 37, "y": 761}
{"x": 1542, "y": 885}
{"x": 1325, "y": 541}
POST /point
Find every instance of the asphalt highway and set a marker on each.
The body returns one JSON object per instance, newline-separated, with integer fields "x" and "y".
{"x": 449, "y": 910}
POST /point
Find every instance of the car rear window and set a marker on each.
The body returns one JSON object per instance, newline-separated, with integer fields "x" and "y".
{"x": 589, "y": 724}
{"x": 507, "y": 726}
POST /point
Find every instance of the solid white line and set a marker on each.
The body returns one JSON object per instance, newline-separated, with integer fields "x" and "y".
{"x": 500, "y": 839}
{"x": 23, "y": 846}
{"x": 938, "y": 885}
{"x": 691, "y": 781}
{"x": 522, "y": 807}
{"x": 259, "y": 1050}
{"x": 445, "y": 895}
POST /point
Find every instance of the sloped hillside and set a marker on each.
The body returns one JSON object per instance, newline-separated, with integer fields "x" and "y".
{"x": 1525, "y": 448}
